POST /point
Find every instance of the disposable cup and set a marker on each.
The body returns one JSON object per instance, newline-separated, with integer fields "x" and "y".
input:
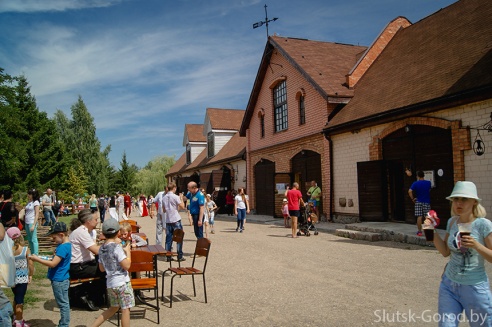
{"x": 465, "y": 229}
{"x": 428, "y": 232}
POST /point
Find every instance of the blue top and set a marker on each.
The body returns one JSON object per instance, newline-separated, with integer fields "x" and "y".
{"x": 422, "y": 190}
{"x": 197, "y": 200}
{"x": 60, "y": 272}
{"x": 466, "y": 266}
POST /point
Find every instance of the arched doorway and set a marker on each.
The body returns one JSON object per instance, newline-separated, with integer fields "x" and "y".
{"x": 418, "y": 147}
{"x": 306, "y": 167}
{"x": 264, "y": 172}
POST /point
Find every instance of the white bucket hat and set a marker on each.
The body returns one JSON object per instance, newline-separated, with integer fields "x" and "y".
{"x": 464, "y": 190}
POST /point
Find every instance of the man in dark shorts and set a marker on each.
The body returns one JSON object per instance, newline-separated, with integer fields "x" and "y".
{"x": 419, "y": 192}
{"x": 294, "y": 198}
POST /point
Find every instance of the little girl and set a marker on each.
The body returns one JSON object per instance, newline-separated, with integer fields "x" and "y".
{"x": 210, "y": 208}
{"x": 24, "y": 269}
{"x": 285, "y": 213}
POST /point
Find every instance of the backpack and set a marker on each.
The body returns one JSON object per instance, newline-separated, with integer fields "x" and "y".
{"x": 101, "y": 202}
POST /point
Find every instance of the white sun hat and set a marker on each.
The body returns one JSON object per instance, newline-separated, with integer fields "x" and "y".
{"x": 464, "y": 190}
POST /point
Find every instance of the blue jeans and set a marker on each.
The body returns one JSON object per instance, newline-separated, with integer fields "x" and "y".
{"x": 474, "y": 299}
{"x": 170, "y": 227}
{"x": 102, "y": 213}
{"x": 32, "y": 238}
{"x": 60, "y": 290}
{"x": 198, "y": 229}
{"x": 49, "y": 217}
{"x": 6, "y": 313}
{"x": 241, "y": 215}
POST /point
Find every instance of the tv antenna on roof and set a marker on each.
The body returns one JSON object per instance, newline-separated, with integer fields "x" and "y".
{"x": 265, "y": 22}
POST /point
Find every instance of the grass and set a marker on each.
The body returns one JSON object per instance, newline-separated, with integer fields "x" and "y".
{"x": 35, "y": 290}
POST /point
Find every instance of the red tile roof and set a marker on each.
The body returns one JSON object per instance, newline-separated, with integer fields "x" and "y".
{"x": 195, "y": 133}
{"x": 323, "y": 64}
{"x": 442, "y": 59}
{"x": 225, "y": 119}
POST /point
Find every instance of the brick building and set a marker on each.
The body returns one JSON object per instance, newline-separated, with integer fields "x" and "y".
{"x": 424, "y": 104}
{"x": 214, "y": 155}
{"x": 298, "y": 85}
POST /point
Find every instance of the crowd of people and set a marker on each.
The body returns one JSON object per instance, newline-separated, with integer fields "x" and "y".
{"x": 79, "y": 253}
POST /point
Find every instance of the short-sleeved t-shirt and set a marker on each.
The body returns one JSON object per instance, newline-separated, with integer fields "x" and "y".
{"x": 30, "y": 213}
{"x": 466, "y": 266}
{"x": 171, "y": 203}
{"x": 61, "y": 271}
{"x": 293, "y": 197}
{"x": 422, "y": 190}
{"x": 47, "y": 199}
{"x": 196, "y": 200}
{"x": 81, "y": 241}
{"x": 315, "y": 191}
{"x": 110, "y": 255}
{"x": 239, "y": 200}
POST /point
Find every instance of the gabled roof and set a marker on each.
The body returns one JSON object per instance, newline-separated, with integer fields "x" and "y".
{"x": 178, "y": 165}
{"x": 233, "y": 149}
{"x": 194, "y": 133}
{"x": 323, "y": 64}
{"x": 225, "y": 119}
{"x": 441, "y": 61}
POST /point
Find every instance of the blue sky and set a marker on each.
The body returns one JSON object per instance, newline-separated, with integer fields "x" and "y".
{"x": 144, "y": 68}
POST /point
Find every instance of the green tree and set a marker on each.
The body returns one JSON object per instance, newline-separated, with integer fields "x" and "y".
{"x": 76, "y": 183}
{"x": 46, "y": 157}
{"x": 152, "y": 178}
{"x": 125, "y": 177}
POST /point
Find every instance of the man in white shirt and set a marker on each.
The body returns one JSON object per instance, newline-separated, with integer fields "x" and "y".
{"x": 47, "y": 202}
{"x": 160, "y": 223}
{"x": 172, "y": 204}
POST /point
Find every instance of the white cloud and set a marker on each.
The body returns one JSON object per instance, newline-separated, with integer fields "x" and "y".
{"x": 30, "y": 6}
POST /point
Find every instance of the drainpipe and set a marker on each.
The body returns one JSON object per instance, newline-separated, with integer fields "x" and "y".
{"x": 330, "y": 143}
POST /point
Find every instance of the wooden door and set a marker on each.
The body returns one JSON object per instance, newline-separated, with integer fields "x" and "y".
{"x": 372, "y": 187}
{"x": 265, "y": 187}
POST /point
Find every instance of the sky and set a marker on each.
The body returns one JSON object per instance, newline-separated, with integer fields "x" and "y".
{"x": 145, "y": 68}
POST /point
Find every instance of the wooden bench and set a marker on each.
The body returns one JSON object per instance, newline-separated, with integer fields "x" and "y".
{"x": 75, "y": 281}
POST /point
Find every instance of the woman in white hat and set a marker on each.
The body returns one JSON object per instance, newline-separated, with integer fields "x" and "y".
{"x": 464, "y": 284}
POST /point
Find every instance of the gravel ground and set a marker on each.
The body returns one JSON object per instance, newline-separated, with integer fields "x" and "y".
{"x": 262, "y": 277}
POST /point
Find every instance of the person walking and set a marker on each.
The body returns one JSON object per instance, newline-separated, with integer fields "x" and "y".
{"x": 464, "y": 283}
{"x": 93, "y": 203}
{"x": 241, "y": 208}
{"x": 101, "y": 206}
{"x": 419, "y": 192}
{"x": 31, "y": 218}
{"x": 197, "y": 207}
{"x": 172, "y": 203}
{"x": 160, "y": 222}
{"x": 229, "y": 198}
{"x": 294, "y": 198}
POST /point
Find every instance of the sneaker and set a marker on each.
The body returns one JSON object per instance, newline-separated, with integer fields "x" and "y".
{"x": 241, "y": 230}
{"x": 237, "y": 229}
{"x": 419, "y": 233}
{"x": 181, "y": 259}
{"x": 213, "y": 232}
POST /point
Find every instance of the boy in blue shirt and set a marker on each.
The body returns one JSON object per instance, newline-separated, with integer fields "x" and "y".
{"x": 58, "y": 269}
{"x": 419, "y": 192}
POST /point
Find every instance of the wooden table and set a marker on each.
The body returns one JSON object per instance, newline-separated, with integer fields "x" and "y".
{"x": 154, "y": 249}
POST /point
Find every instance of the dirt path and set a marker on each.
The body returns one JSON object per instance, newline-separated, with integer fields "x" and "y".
{"x": 263, "y": 277}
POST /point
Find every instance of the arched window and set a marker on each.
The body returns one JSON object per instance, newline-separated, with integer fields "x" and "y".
{"x": 280, "y": 106}
{"x": 302, "y": 110}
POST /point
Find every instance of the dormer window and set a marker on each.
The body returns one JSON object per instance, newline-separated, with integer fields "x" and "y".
{"x": 211, "y": 144}
{"x": 188, "y": 154}
{"x": 280, "y": 106}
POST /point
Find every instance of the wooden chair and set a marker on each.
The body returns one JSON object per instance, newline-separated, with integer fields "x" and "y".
{"x": 145, "y": 262}
{"x": 202, "y": 249}
{"x": 178, "y": 237}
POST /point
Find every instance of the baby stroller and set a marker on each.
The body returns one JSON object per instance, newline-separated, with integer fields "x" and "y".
{"x": 307, "y": 221}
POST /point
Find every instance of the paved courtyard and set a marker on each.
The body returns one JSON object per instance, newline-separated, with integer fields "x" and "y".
{"x": 264, "y": 278}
